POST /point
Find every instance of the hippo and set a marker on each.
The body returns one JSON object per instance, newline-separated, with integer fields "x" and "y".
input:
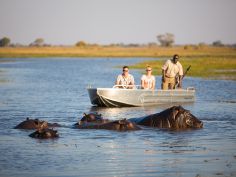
{"x": 91, "y": 118}
{"x": 96, "y": 121}
{"x": 175, "y": 117}
{"x": 119, "y": 125}
{"x": 35, "y": 124}
{"x": 32, "y": 124}
{"x": 44, "y": 133}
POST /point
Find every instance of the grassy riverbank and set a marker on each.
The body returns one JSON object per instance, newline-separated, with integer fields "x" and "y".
{"x": 223, "y": 68}
{"x": 22, "y": 52}
{"x": 206, "y": 62}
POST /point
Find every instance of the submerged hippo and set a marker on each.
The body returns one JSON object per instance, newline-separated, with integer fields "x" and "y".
{"x": 32, "y": 124}
{"x": 96, "y": 121}
{"x": 175, "y": 117}
{"x": 44, "y": 133}
{"x": 91, "y": 118}
{"x": 35, "y": 124}
{"x": 119, "y": 125}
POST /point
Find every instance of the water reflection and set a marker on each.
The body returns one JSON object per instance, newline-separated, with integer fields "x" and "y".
{"x": 131, "y": 112}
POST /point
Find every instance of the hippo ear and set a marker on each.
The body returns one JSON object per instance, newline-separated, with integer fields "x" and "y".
{"x": 175, "y": 108}
{"x": 174, "y": 113}
{"x": 85, "y": 114}
{"x": 187, "y": 111}
{"x": 27, "y": 118}
{"x": 121, "y": 121}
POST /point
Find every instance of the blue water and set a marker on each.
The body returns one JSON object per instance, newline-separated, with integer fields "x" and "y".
{"x": 55, "y": 90}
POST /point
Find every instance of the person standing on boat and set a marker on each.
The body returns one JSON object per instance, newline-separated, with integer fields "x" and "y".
{"x": 125, "y": 80}
{"x": 170, "y": 70}
{"x": 148, "y": 80}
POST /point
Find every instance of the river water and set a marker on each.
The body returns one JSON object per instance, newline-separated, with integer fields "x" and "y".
{"x": 54, "y": 89}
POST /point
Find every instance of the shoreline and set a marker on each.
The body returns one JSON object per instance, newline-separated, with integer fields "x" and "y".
{"x": 207, "y": 62}
{"x": 27, "y": 52}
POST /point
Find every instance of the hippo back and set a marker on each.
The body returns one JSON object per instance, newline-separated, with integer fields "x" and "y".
{"x": 175, "y": 117}
{"x": 32, "y": 124}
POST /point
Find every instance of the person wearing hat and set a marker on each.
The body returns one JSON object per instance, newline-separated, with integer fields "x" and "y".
{"x": 170, "y": 70}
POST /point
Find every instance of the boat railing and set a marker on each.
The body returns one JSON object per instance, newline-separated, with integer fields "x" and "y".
{"x": 127, "y": 86}
{"x": 190, "y": 88}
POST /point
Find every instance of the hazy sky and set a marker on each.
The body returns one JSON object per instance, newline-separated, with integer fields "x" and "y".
{"x": 115, "y": 21}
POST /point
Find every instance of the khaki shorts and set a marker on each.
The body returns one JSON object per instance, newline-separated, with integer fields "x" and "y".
{"x": 168, "y": 84}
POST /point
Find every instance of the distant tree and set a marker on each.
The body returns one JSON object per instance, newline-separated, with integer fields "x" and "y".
{"x": 166, "y": 40}
{"x": 202, "y": 45}
{"x": 4, "y": 42}
{"x": 218, "y": 43}
{"x": 38, "y": 42}
{"x": 233, "y": 45}
{"x": 16, "y": 45}
{"x": 81, "y": 44}
{"x": 132, "y": 45}
{"x": 152, "y": 44}
{"x": 187, "y": 47}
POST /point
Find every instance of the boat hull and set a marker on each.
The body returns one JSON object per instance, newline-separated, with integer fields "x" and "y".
{"x": 114, "y": 97}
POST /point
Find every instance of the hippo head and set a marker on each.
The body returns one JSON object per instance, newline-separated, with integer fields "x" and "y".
{"x": 91, "y": 117}
{"x": 184, "y": 119}
{"x": 123, "y": 125}
{"x": 32, "y": 124}
{"x": 44, "y": 133}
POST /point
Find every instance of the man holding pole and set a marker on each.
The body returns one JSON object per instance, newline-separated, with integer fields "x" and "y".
{"x": 170, "y": 70}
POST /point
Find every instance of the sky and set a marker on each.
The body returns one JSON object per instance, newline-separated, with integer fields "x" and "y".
{"x": 65, "y": 22}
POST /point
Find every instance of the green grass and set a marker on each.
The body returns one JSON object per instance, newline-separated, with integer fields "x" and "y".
{"x": 205, "y": 67}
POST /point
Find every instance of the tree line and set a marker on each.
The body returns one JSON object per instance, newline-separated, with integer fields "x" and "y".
{"x": 165, "y": 40}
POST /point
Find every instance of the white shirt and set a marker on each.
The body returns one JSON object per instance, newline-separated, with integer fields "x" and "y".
{"x": 122, "y": 80}
{"x": 148, "y": 81}
{"x": 172, "y": 69}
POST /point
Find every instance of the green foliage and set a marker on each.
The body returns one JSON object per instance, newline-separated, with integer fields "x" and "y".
{"x": 4, "y": 42}
{"x": 81, "y": 44}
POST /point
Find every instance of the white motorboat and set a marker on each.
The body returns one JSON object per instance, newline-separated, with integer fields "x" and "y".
{"x": 120, "y": 97}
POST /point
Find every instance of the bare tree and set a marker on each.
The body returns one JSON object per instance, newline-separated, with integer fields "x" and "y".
{"x": 166, "y": 40}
